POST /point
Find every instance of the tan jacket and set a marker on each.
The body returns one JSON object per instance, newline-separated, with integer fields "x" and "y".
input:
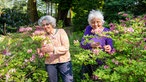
{"x": 61, "y": 48}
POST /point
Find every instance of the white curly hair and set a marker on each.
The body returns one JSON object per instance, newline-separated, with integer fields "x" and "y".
{"x": 95, "y": 14}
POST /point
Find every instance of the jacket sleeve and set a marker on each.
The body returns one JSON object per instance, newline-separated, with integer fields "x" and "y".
{"x": 109, "y": 41}
{"x": 64, "y": 43}
{"x": 86, "y": 33}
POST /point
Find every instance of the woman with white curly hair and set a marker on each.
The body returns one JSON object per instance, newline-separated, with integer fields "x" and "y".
{"x": 97, "y": 42}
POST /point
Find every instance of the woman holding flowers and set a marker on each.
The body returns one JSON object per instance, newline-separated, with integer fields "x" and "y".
{"x": 56, "y": 50}
{"x": 97, "y": 42}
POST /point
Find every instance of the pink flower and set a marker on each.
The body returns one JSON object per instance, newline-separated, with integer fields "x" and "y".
{"x": 29, "y": 51}
{"x": 119, "y": 13}
{"x": 123, "y": 25}
{"x": 92, "y": 31}
{"x": 112, "y": 26}
{"x": 144, "y": 39}
{"x": 115, "y": 61}
{"x": 39, "y": 28}
{"x": 116, "y": 31}
{"x": 26, "y": 60}
{"x": 125, "y": 15}
{"x": 95, "y": 51}
{"x": 6, "y": 52}
{"x": 6, "y": 64}
{"x": 106, "y": 66}
{"x": 28, "y": 29}
{"x": 21, "y": 29}
{"x": 32, "y": 58}
{"x": 144, "y": 18}
{"x": 38, "y": 32}
{"x": 127, "y": 19}
{"x": 129, "y": 29}
{"x": 40, "y": 55}
{"x": 96, "y": 31}
{"x": 122, "y": 21}
{"x": 7, "y": 75}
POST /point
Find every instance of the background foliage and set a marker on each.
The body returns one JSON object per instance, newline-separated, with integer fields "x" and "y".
{"x": 20, "y": 63}
{"x": 79, "y": 11}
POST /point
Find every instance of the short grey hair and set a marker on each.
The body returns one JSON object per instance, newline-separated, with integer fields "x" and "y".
{"x": 95, "y": 14}
{"x": 51, "y": 20}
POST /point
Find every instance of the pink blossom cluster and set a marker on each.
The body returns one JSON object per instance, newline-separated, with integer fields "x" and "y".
{"x": 96, "y": 31}
{"x": 6, "y": 52}
{"x": 8, "y": 74}
{"x": 38, "y": 28}
{"x": 130, "y": 29}
{"x": 96, "y": 51}
{"x": 106, "y": 66}
{"x": 123, "y": 14}
{"x": 29, "y": 50}
{"x": 144, "y": 18}
{"x": 115, "y": 61}
{"x": 38, "y": 31}
{"x": 144, "y": 39}
{"x": 112, "y": 26}
{"x": 23, "y": 29}
{"x": 32, "y": 58}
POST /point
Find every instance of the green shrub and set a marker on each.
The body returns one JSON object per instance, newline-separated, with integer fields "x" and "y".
{"x": 127, "y": 64}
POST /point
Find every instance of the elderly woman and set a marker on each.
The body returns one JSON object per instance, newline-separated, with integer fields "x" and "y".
{"x": 57, "y": 48}
{"x": 95, "y": 28}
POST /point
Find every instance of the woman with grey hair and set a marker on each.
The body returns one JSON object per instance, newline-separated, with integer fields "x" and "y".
{"x": 58, "y": 59}
{"x": 97, "y": 42}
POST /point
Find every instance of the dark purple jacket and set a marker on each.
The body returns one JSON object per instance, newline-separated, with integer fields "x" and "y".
{"x": 103, "y": 41}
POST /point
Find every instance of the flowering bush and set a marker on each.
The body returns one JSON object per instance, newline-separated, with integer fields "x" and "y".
{"x": 19, "y": 61}
{"x": 127, "y": 64}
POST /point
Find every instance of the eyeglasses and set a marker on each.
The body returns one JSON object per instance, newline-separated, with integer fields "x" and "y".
{"x": 45, "y": 24}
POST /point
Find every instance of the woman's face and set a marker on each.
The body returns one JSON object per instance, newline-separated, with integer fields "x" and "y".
{"x": 96, "y": 23}
{"x": 47, "y": 26}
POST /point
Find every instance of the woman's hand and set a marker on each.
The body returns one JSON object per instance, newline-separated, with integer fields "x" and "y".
{"x": 95, "y": 45}
{"x": 47, "y": 48}
{"x": 107, "y": 48}
{"x": 41, "y": 54}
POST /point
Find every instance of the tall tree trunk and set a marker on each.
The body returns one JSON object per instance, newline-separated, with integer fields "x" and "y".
{"x": 32, "y": 10}
{"x": 63, "y": 7}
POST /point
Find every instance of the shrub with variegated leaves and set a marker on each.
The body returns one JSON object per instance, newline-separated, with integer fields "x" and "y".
{"x": 128, "y": 63}
{"x": 19, "y": 61}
